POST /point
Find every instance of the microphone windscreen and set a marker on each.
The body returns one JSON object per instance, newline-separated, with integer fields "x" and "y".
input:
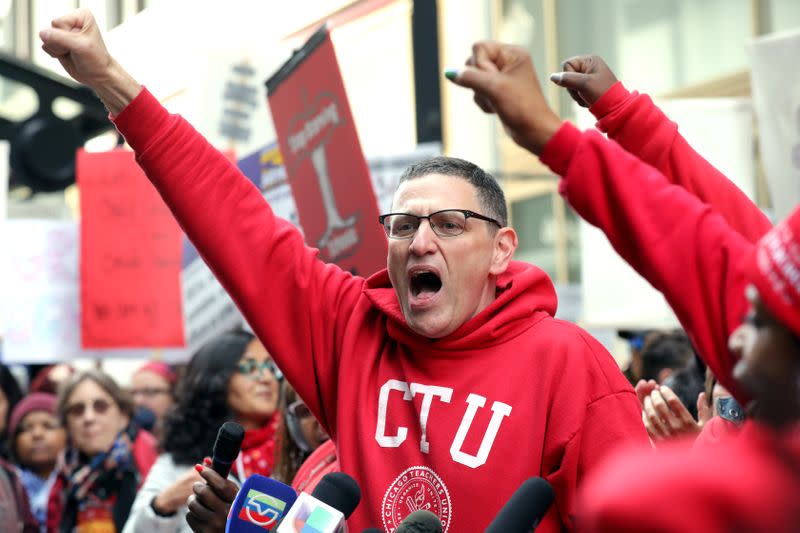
{"x": 229, "y": 442}
{"x": 420, "y": 522}
{"x": 340, "y": 491}
{"x": 260, "y": 505}
{"x": 525, "y": 508}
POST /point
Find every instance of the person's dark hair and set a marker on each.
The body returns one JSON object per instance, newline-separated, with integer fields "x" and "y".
{"x": 201, "y": 398}
{"x": 120, "y": 396}
{"x": 13, "y": 394}
{"x": 10, "y": 388}
{"x": 687, "y": 383}
{"x": 663, "y": 350}
{"x": 490, "y": 195}
{"x": 288, "y": 456}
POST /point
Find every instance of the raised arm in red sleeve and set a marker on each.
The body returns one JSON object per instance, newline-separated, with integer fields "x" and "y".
{"x": 682, "y": 246}
{"x": 639, "y": 126}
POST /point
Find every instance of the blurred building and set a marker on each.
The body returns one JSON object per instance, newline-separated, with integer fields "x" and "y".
{"x": 392, "y": 53}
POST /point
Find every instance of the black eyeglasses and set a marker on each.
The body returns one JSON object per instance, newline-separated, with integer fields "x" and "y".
{"x": 254, "y": 368}
{"x": 445, "y": 223}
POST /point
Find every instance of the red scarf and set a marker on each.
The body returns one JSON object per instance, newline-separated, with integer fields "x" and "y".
{"x": 258, "y": 450}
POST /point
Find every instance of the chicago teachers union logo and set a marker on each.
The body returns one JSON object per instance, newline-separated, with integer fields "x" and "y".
{"x": 416, "y": 488}
{"x": 262, "y": 509}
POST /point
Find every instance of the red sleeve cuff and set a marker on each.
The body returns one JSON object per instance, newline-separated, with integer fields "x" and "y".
{"x": 140, "y": 119}
{"x": 610, "y": 100}
{"x": 557, "y": 153}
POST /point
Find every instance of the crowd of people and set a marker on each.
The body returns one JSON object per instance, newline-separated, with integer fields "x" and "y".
{"x": 447, "y": 371}
{"x": 82, "y": 459}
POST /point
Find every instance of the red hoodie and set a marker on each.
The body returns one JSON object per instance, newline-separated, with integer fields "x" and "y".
{"x": 750, "y": 484}
{"x": 694, "y": 259}
{"x": 452, "y": 425}
{"x": 687, "y": 250}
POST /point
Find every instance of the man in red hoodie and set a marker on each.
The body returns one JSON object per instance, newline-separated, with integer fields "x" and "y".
{"x": 704, "y": 267}
{"x": 444, "y": 380}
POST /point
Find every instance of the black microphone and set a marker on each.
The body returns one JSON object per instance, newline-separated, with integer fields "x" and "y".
{"x": 420, "y": 522}
{"x": 522, "y": 512}
{"x": 226, "y": 448}
{"x": 372, "y": 530}
{"x": 340, "y": 491}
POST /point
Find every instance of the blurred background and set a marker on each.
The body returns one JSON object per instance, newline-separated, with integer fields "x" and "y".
{"x": 204, "y": 58}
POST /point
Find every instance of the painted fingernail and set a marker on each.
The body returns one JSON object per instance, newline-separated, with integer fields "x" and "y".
{"x": 207, "y": 461}
{"x": 199, "y": 468}
{"x": 451, "y": 74}
{"x": 556, "y": 77}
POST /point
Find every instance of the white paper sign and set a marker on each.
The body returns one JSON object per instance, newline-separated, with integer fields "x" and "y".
{"x": 776, "y": 97}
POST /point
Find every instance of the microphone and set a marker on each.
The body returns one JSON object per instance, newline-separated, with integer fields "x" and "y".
{"x": 226, "y": 448}
{"x": 309, "y": 515}
{"x": 420, "y": 522}
{"x": 334, "y": 499}
{"x": 372, "y": 530}
{"x": 526, "y": 507}
{"x": 340, "y": 491}
{"x": 260, "y": 505}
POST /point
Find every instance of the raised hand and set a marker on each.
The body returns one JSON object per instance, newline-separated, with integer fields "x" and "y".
{"x": 665, "y": 417}
{"x": 586, "y": 78}
{"x": 209, "y": 505}
{"x": 504, "y": 81}
{"x": 173, "y": 497}
{"x": 75, "y": 40}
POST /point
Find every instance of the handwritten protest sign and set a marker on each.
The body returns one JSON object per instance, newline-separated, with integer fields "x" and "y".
{"x": 40, "y": 291}
{"x": 130, "y": 254}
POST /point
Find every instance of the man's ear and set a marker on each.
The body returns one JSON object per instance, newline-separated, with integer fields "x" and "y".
{"x": 505, "y": 243}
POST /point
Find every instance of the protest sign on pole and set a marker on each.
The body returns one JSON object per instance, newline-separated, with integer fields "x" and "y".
{"x": 776, "y": 98}
{"x": 326, "y": 168}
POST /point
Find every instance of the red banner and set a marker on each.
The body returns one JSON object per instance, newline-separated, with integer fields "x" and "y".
{"x": 323, "y": 159}
{"x": 130, "y": 257}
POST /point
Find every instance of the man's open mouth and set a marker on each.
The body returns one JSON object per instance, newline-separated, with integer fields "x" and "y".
{"x": 424, "y": 283}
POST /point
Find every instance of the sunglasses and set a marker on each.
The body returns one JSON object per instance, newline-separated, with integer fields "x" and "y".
{"x": 77, "y": 410}
{"x": 254, "y": 368}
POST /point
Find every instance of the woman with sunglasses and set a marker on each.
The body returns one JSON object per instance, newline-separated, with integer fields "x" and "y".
{"x": 305, "y": 452}
{"x": 106, "y": 460}
{"x": 232, "y": 377}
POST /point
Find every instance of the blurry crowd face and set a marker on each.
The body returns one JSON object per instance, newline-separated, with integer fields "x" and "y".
{"x": 769, "y": 365}
{"x": 93, "y": 418}
{"x": 442, "y": 282}
{"x": 152, "y": 391}
{"x": 253, "y": 390}
{"x": 40, "y": 438}
{"x": 311, "y": 430}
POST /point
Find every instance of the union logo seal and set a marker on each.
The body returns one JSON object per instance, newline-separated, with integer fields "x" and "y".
{"x": 416, "y": 488}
